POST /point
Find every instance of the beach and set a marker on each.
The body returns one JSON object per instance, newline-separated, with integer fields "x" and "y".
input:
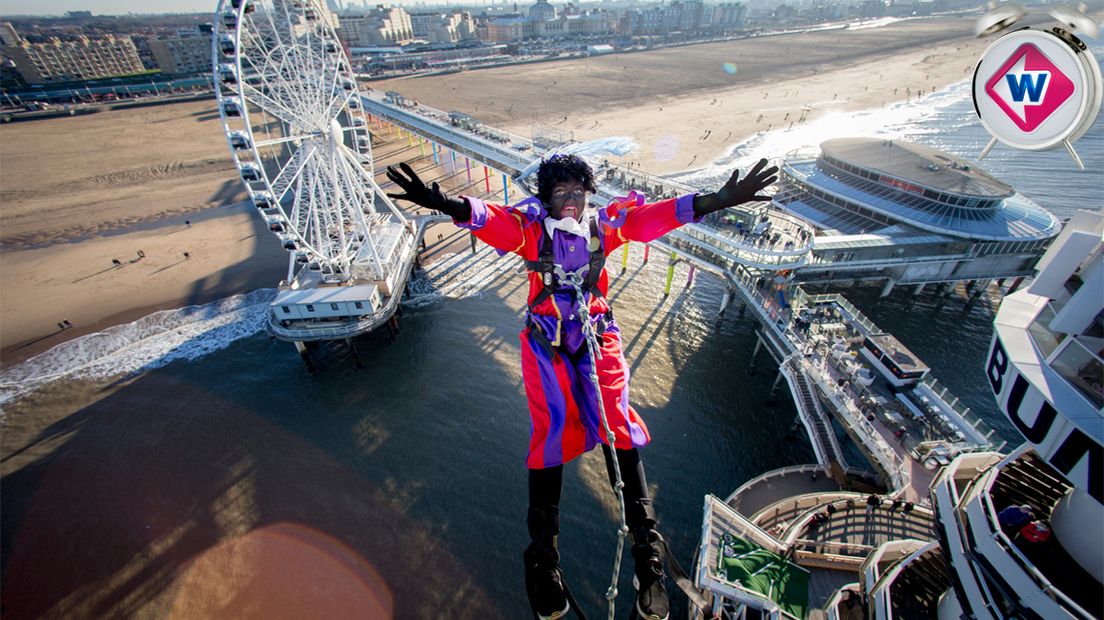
{"x": 685, "y": 106}
{"x": 78, "y": 193}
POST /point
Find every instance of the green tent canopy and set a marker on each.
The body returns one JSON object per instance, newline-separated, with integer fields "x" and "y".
{"x": 754, "y": 568}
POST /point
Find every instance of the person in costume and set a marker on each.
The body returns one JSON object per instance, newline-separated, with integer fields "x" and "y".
{"x": 565, "y": 246}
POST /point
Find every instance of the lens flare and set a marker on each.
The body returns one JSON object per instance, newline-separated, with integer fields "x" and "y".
{"x": 666, "y": 147}
{"x": 730, "y": 68}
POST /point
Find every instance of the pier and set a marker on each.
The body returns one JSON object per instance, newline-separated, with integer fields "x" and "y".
{"x": 759, "y": 252}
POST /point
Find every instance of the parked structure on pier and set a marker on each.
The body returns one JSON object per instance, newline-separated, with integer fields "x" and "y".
{"x": 909, "y": 214}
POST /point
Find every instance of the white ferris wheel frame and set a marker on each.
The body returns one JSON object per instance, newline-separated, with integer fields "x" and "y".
{"x": 321, "y": 200}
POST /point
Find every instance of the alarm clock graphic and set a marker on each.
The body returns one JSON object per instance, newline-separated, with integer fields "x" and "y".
{"x": 1037, "y": 89}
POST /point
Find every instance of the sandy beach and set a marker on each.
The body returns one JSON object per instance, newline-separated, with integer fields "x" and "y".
{"x": 77, "y": 193}
{"x": 685, "y": 105}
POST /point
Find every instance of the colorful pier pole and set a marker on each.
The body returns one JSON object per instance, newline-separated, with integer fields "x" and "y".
{"x": 467, "y": 164}
{"x": 505, "y": 188}
{"x": 487, "y": 179}
{"x": 647, "y": 248}
{"x": 690, "y": 278}
{"x": 625, "y": 258}
{"x": 435, "y": 160}
{"x": 452, "y": 156}
{"x": 670, "y": 275}
{"x": 421, "y": 145}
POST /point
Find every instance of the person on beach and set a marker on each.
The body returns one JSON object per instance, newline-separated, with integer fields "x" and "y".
{"x": 565, "y": 246}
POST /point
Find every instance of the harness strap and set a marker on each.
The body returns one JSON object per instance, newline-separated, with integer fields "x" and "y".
{"x": 597, "y": 258}
{"x": 682, "y": 580}
{"x": 545, "y": 265}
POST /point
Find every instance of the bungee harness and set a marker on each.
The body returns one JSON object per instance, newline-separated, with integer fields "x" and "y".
{"x": 553, "y": 275}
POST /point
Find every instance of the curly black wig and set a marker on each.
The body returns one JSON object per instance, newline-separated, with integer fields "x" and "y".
{"x": 559, "y": 169}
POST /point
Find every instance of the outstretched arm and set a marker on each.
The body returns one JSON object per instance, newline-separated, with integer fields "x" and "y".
{"x": 737, "y": 191}
{"x": 490, "y": 223}
{"x": 651, "y": 221}
{"x": 430, "y": 197}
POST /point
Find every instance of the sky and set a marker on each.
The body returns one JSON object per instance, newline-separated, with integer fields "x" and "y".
{"x": 122, "y": 7}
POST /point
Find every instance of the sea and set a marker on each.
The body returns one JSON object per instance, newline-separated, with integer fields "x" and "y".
{"x": 187, "y": 464}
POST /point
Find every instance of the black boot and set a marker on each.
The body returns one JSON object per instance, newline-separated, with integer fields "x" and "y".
{"x": 544, "y": 582}
{"x": 649, "y": 579}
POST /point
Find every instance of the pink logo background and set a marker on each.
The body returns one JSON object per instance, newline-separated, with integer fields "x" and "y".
{"x": 1025, "y": 115}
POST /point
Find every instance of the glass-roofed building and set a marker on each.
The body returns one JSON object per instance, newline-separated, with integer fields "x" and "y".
{"x": 910, "y": 214}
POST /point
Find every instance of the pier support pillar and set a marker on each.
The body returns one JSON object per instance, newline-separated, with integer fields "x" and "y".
{"x": 670, "y": 274}
{"x": 727, "y": 299}
{"x": 505, "y": 188}
{"x": 981, "y": 287}
{"x": 647, "y": 249}
{"x": 487, "y": 179}
{"x": 467, "y": 165}
{"x": 301, "y": 347}
{"x": 888, "y": 288}
{"x": 777, "y": 382}
{"x": 352, "y": 349}
{"x": 690, "y": 277}
{"x": 436, "y": 160}
{"x": 919, "y": 288}
{"x": 625, "y": 258}
{"x": 1015, "y": 285}
{"x": 754, "y": 354}
{"x": 471, "y": 236}
{"x": 393, "y": 325}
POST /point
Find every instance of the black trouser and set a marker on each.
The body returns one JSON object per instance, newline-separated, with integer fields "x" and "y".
{"x": 546, "y": 484}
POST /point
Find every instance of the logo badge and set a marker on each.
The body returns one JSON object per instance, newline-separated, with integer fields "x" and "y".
{"x": 1036, "y": 90}
{"x": 1029, "y": 87}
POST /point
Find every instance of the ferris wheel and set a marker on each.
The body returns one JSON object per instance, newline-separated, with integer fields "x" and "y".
{"x": 296, "y": 128}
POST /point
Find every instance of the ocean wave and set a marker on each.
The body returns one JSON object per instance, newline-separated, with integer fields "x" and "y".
{"x": 888, "y": 122}
{"x": 152, "y": 341}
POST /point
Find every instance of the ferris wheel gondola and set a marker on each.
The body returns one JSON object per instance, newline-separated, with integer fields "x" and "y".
{"x": 293, "y": 119}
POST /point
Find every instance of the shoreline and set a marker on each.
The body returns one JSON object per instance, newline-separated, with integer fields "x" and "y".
{"x": 94, "y": 208}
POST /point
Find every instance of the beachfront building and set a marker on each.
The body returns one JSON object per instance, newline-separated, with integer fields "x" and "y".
{"x": 909, "y": 214}
{"x": 544, "y": 21}
{"x": 443, "y": 27}
{"x": 379, "y": 26}
{"x": 188, "y": 52}
{"x": 77, "y": 58}
{"x": 689, "y": 17}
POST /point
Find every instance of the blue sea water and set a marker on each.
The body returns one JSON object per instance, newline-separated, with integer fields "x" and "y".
{"x": 191, "y": 428}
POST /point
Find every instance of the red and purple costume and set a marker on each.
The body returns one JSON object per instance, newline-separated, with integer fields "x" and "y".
{"x": 563, "y": 408}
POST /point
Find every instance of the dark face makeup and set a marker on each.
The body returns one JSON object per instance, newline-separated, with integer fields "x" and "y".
{"x": 569, "y": 199}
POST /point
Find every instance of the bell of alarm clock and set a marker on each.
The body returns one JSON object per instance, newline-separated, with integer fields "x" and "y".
{"x": 999, "y": 18}
{"x": 1076, "y": 19}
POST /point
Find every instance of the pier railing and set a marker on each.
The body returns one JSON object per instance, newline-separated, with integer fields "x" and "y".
{"x": 892, "y": 463}
{"x": 964, "y": 412}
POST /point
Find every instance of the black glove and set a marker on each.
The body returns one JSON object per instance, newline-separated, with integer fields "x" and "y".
{"x": 430, "y": 197}
{"x": 736, "y": 191}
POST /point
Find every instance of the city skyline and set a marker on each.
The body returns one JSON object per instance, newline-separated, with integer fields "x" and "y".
{"x": 124, "y": 7}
